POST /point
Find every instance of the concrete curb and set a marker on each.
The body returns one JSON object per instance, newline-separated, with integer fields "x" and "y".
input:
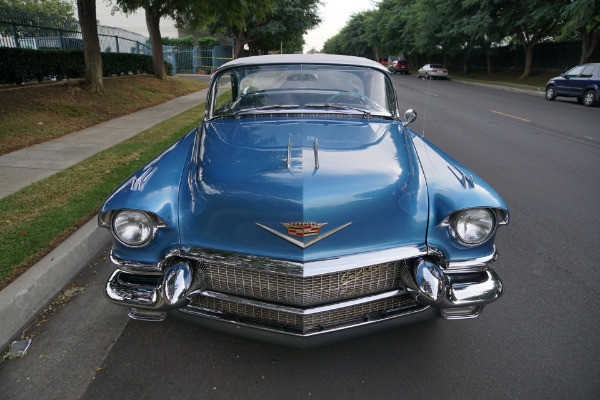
{"x": 505, "y": 88}
{"x": 23, "y": 299}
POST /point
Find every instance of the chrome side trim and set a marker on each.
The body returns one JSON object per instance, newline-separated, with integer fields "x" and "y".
{"x": 308, "y": 268}
{"x": 295, "y": 310}
{"x": 288, "y": 162}
{"x": 139, "y": 182}
{"x": 466, "y": 181}
{"x": 316, "y": 153}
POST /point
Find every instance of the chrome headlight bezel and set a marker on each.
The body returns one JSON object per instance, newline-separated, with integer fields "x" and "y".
{"x": 497, "y": 217}
{"x": 109, "y": 218}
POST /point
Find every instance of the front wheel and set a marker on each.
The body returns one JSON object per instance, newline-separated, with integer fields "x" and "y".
{"x": 550, "y": 93}
{"x": 589, "y": 98}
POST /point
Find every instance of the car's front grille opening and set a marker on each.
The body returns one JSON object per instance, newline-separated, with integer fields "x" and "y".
{"x": 357, "y": 313}
{"x": 303, "y": 291}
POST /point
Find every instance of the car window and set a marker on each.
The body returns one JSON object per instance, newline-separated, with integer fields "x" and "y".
{"x": 588, "y": 71}
{"x": 573, "y": 72}
{"x": 437, "y": 66}
{"x": 301, "y": 88}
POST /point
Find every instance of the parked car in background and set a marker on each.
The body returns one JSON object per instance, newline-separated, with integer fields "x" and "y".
{"x": 401, "y": 66}
{"x": 582, "y": 82}
{"x": 433, "y": 71}
{"x": 303, "y": 210}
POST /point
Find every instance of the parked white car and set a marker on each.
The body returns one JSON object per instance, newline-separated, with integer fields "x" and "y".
{"x": 433, "y": 71}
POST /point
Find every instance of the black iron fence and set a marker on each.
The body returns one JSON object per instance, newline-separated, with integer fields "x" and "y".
{"x": 33, "y": 31}
{"x": 19, "y": 29}
{"x": 558, "y": 56}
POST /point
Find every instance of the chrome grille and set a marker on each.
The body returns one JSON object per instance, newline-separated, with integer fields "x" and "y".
{"x": 305, "y": 323}
{"x": 302, "y": 291}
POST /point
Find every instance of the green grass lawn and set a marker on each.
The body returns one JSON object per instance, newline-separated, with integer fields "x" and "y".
{"x": 31, "y": 115}
{"x": 40, "y": 216}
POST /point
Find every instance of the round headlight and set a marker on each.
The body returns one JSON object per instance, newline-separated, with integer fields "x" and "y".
{"x": 133, "y": 228}
{"x": 474, "y": 226}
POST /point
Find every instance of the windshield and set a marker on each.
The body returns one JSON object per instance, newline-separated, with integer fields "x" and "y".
{"x": 302, "y": 88}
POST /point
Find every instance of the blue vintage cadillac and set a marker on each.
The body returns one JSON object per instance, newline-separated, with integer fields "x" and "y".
{"x": 303, "y": 210}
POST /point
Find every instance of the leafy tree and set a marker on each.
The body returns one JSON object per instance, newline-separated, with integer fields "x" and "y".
{"x": 155, "y": 10}
{"x": 86, "y": 10}
{"x": 481, "y": 22}
{"x": 353, "y": 39}
{"x": 333, "y": 45}
{"x": 286, "y": 28}
{"x": 53, "y": 8}
{"x": 396, "y": 26}
{"x": 233, "y": 17}
{"x": 583, "y": 17}
{"x": 530, "y": 22}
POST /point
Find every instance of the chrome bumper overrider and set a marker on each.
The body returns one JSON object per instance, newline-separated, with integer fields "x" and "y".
{"x": 428, "y": 285}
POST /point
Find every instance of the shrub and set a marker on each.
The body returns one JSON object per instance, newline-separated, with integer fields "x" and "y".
{"x": 208, "y": 41}
{"x": 23, "y": 65}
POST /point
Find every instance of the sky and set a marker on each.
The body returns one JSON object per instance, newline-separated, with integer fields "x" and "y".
{"x": 334, "y": 15}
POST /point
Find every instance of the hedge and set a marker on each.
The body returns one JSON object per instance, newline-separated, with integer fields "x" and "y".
{"x": 23, "y": 65}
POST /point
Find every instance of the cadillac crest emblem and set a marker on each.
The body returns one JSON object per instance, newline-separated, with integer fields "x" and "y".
{"x": 303, "y": 228}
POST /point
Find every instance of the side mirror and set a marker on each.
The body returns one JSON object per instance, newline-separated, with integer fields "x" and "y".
{"x": 410, "y": 115}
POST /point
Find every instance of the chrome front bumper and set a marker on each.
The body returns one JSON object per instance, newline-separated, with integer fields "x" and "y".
{"x": 433, "y": 286}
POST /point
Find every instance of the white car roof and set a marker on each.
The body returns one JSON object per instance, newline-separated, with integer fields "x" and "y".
{"x": 329, "y": 59}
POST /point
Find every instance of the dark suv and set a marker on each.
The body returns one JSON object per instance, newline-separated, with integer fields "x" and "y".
{"x": 582, "y": 82}
{"x": 401, "y": 66}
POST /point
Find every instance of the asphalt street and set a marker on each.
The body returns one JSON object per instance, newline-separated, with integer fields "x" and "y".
{"x": 539, "y": 341}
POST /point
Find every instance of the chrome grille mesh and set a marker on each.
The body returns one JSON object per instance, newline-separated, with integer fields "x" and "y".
{"x": 304, "y": 322}
{"x": 302, "y": 291}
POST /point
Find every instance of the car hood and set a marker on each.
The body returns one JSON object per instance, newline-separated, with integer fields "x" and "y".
{"x": 248, "y": 177}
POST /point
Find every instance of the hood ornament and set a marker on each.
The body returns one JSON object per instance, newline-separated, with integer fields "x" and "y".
{"x": 303, "y": 229}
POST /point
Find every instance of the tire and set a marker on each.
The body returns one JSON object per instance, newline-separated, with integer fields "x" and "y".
{"x": 427, "y": 76}
{"x": 550, "y": 93}
{"x": 580, "y": 100}
{"x": 589, "y": 98}
{"x": 418, "y": 75}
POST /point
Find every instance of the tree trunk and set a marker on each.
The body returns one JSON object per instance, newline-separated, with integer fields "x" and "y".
{"x": 239, "y": 46}
{"x": 466, "y": 66}
{"x": 153, "y": 24}
{"x": 528, "y": 60}
{"x": 488, "y": 62}
{"x": 589, "y": 42}
{"x": 86, "y": 10}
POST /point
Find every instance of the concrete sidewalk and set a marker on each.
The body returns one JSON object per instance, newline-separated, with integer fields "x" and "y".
{"x": 22, "y": 300}
{"x": 23, "y": 167}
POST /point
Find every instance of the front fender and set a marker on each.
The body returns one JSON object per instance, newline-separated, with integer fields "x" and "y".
{"x": 153, "y": 188}
{"x": 452, "y": 187}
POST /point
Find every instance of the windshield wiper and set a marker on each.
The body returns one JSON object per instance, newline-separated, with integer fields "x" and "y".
{"x": 339, "y": 107}
{"x": 273, "y": 107}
